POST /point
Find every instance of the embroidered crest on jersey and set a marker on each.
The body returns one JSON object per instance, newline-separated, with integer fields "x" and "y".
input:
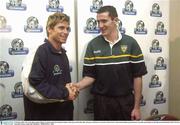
{"x": 124, "y": 48}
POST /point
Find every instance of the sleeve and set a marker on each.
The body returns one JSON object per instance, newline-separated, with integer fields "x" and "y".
{"x": 138, "y": 64}
{"x": 38, "y": 78}
{"x": 89, "y": 63}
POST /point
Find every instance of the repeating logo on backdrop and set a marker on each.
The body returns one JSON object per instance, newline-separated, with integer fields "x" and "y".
{"x": 96, "y": 4}
{"x": 155, "y": 82}
{"x": 6, "y": 113}
{"x": 140, "y": 28}
{"x": 155, "y": 47}
{"x": 33, "y": 25}
{"x": 91, "y": 26}
{"x": 16, "y": 5}
{"x": 18, "y": 90}
{"x": 143, "y": 102}
{"x": 160, "y": 29}
{"x": 3, "y": 25}
{"x": 128, "y": 10}
{"x": 154, "y": 112}
{"x": 4, "y": 70}
{"x": 121, "y": 29}
{"x": 54, "y": 6}
{"x": 160, "y": 65}
{"x": 159, "y": 99}
{"x": 155, "y": 12}
{"x": 18, "y": 47}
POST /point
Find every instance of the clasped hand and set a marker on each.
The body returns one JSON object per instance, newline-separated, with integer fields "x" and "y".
{"x": 73, "y": 90}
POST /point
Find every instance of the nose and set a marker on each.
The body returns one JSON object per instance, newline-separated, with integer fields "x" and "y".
{"x": 100, "y": 25}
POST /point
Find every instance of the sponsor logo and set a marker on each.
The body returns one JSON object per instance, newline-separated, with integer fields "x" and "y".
{"x": 160, "y": 29}
{"x": 128, "y": 10}
{"x": 6, "y": 113}
{"x": 160, "y": 64}
{"x": 155, "y": 47}
{"x": 16, "y": 5}
{"x": 18, "y": 47}
{"x": 54, "y": 6}
{"x": 33, "y": 25}
{"x": 4, "y": 70}
{"x": 57, "y": 70}
{"x": 18, "y": 90}
{"x": 96, "y": 4}
{"x": 3, "y": 25}
{"x": 140, "y": 28}
{"x": 155, "y": 12}
{"x": 154, "y": 82}
{"x": 91, "y": 26}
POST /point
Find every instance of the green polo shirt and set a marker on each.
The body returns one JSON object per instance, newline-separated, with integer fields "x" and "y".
{"x": 113, "y": 68}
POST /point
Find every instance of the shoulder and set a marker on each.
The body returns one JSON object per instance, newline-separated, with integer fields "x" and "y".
{"x": 128, "y": 38}
{"x": 96, "y": 39}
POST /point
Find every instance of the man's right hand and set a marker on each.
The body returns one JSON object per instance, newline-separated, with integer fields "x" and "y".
{"x": 73, "y": 91}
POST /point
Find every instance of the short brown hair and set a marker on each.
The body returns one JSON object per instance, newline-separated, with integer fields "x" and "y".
{"x": 56, "y": 18}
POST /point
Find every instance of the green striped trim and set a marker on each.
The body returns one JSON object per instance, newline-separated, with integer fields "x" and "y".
{"x": 113, "y": 57}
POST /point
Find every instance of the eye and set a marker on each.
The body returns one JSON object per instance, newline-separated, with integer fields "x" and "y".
{"x": 65, "y": 28}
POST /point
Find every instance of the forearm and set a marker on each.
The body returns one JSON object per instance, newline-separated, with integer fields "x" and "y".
{"x": 85, "y": 82}
{"x": 137, "y": 92}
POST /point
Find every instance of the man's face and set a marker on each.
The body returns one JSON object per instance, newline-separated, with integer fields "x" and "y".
{"x": 60, "y": 32}
{"x": 105, "y": 23}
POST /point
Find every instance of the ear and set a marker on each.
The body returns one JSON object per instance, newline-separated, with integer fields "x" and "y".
{"x": 116, "y": 19}
{"x": 49, "y": 29}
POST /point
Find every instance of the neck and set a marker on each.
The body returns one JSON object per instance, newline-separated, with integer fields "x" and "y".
{"x": 113, "y": 36}
{"x": 55, "y": 44}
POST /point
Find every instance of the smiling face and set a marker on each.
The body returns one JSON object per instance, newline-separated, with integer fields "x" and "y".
{"x": 60, "y": 32}
{"x": 106, "y": 24}
{"x": 58, "y": 28}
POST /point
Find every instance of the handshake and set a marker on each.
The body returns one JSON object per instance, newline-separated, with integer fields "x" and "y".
{"x": 73, "y": 89}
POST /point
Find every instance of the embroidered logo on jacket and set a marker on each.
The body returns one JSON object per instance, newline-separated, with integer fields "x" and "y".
{"x": 57, "y": 70}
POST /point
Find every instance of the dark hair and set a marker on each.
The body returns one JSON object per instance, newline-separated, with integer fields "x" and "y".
{"x": 112, "y": 11}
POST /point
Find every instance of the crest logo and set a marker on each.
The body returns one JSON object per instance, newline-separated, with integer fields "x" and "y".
{"x": 57, "y": 70}
{"x": 91, "y": 26}
{"x": 18, "y": 47}
{"x": 18, "y": 90}
{"x": 128, "y": 10}
{"x": 15, "y": 5}
{"x": 140, "y": 28}
{"x": 155, "y": 47}
{"x": 6, "y": 113}
{"x": 160, "y": 64}
{"x": 4, "y": 70}
{"x": 33, "y": 25}
{"x": 96, "y": 4}
{"x": 54, "y": 6}
{"x": 3, "y": 25}
{"x": 124, "y": 48}
{"x": 159, "y": 98}
{"x": 160, "y": 29}
{"x": 155, "y": 12}
{"x": 154, "y": 82}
